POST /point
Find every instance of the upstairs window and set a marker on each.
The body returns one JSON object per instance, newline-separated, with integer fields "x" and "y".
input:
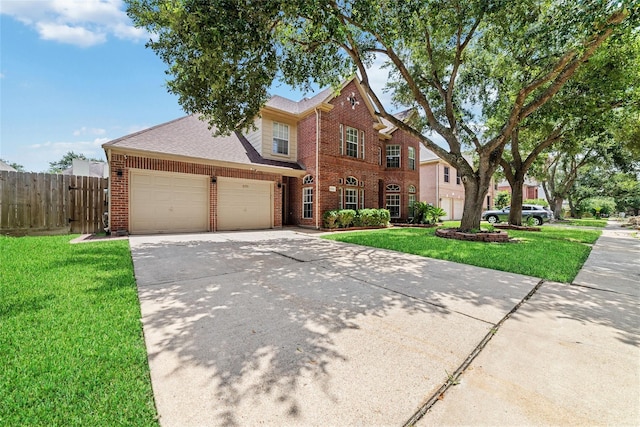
{"x": 352, "y": 142}
{"x": 412, "y": 158}
{"x": 457, "y": 177}
{"x": 280, "y": 138}
{"x": 393, "y": 156}
{"x": 446, "y": 174}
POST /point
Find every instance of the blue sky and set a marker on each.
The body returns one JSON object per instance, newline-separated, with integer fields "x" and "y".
{"x": 75, "y": 74}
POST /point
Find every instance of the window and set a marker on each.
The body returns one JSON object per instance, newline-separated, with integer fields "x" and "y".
{"x": 393, "y": 156}
{"x": 411, "y": 199}
{"x": 350, "y": 198}
{"x": 352, "y": 142}
{"x": 340, "y": 200}
{"x": 412, "y": 158}
{"x": 308, "y": 179}
{"x": 280, "y": 138}
{"x": 362, "y": 144}
{"x": 379, "y": 156}
{"x": 457, "y": 177}
{"x": 361, "y": 199}
{"x": 307, "y": 202}
{"x": 351, "y": 180}
{"x": 446, "y": 174}
{"x": 393, "y": 204}
{"x": 393, "y": 200}
{"x": 341, "y": 140}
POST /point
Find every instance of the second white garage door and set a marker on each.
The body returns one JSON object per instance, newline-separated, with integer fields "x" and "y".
{"x": 163, "y": 202}
{"x": 244, "y": 204}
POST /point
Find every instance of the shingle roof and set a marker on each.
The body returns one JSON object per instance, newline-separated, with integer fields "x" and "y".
{"x": 6, "y": 167}
{"x": 191, "y": 137}
{"x": 293, "y": 107}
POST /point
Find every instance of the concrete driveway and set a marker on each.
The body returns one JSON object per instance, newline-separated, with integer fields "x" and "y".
{"x": 282, "y": 328}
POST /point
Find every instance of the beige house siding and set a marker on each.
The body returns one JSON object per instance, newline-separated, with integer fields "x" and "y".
{"x": 267, "y": 138}
{"x": 255, "y": 136}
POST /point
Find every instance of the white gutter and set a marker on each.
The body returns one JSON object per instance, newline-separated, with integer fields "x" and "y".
{"x": 109, "y": 217}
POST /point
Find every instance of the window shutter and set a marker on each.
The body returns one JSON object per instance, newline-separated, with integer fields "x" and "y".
{"x": 341, "y": 140}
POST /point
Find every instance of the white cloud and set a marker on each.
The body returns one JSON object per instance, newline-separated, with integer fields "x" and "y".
{"x": 79, "y": 22}
{"x": 78, "y": 36}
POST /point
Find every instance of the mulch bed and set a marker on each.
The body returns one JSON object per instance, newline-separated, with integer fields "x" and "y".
{"x": 482, "y": 236}
{"x": 516, "y": 227}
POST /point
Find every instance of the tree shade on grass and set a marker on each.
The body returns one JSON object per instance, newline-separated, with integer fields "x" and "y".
{"x": 71, "y": 343}
{"x": 554, "y": 253}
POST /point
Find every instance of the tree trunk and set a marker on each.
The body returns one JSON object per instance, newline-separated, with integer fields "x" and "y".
{"x": 557, "y": 206}
{"x": 572, "y": 208}
{"x": 473, "y": 206}
{"x": 515, "y": 214}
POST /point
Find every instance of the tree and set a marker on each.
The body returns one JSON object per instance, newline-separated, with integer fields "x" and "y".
{"x": 609, "y": 81}
{"x": 223, "y": 56}
{"x": 503, "y": 198}
{"x": 67, "y": 161}
{"x": 18, "y": 167}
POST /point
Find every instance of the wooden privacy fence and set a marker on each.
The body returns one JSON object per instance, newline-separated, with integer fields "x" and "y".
{"x": 42, "y": 203}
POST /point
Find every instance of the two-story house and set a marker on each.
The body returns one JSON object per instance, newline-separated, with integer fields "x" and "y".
{"x": 303, "y": 158}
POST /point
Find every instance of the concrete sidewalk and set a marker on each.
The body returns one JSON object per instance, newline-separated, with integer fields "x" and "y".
{"x": 569, "y": 356}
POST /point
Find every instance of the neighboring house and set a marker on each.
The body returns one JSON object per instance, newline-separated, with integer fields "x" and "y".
{"x": 6, "y": 167}
{"x": 81, "y": 167}
{"x": 441, "y": 185}
{"x": 303, "y": 158}
{"x": 530, "y": 189}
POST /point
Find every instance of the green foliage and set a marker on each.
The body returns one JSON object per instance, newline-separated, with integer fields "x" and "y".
{"x": 502, "y": 199}
{"x": 529, "y": 256}
{"x": 223, "y": 56}
{"x": 539, "y": 202}
{"x": 18, "y": 167}
{"x": 71, "y": 343}
{"x": 330, "y": 219}
{"x": 599, "y": 206}
{"x": 345, "y": 218}
{"x": 426, "y": 213}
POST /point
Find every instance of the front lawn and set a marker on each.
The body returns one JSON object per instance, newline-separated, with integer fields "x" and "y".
{"x": 71, "y": 338}
{"x": 587, "y": 222}
{"x": 554, "y": 253}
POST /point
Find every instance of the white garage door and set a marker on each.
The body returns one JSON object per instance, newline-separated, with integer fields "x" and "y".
{"x": 164, "y": 202}
{"x": 446, "y": 204}
{"x": 458, "y": 207}
{"x": 244, "y": 204}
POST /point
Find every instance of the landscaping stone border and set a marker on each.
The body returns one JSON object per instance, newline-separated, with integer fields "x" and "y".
{"x": 482, "y": 236}
{"x": 516, "y": 227}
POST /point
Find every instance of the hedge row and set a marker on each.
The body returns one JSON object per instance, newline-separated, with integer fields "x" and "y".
{"x": 344, "y": 218}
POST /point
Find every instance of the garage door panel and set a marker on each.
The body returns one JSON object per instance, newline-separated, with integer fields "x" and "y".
{"x": 168, "y": 202}
{"x": 244, "y": 204}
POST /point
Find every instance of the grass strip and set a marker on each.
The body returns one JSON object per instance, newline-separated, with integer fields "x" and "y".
{"x": 72, "y": 344}
{"x": 587, "y": 222}
{"x": 554, "y": 253}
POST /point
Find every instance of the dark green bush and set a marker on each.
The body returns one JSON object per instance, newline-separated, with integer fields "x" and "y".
{"x": 344, "y": 218}
{"x": 330, "y": 219}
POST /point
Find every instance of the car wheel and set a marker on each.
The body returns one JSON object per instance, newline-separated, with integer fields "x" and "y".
{"x": 537, "y": 221}
{"x": 492, "y": 219}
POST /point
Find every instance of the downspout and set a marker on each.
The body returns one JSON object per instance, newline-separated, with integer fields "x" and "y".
{"x": 317, "y": 180}
{"x": 438, "y": 185}
{"x": 108, "y": 152}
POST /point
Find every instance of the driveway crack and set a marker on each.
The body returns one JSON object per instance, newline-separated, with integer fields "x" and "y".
{"x": 453, "y": 378}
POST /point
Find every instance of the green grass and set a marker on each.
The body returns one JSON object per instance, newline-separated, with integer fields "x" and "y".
{"x": 554, "y": 253}
{"x": 71, "y": 338}
{"x": 588, "y": 222}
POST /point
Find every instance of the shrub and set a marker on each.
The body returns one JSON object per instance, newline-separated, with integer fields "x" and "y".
{"x": 502, "y": 199}
{"x": 540, "y": 202}
{"x": 329, "y": 219}
{"x": 345, "y": 217}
